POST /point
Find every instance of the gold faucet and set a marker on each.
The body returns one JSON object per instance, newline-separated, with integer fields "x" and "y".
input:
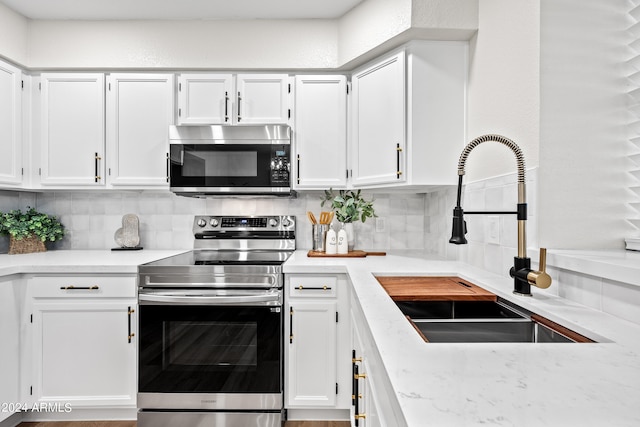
{"x": 521, "y": 271}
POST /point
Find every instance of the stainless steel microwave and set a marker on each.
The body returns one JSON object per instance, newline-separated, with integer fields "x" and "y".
{"x": 230, "y": 160}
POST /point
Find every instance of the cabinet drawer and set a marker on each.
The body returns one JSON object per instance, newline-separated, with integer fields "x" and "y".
{"x": 82, "y": 287}
{"x": 314, "y": 287}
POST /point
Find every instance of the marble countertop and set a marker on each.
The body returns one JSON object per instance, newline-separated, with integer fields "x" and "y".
{"x": 461, "y": 384}
{"x": 85, "y": 261}
{"x": 500, "y": 384}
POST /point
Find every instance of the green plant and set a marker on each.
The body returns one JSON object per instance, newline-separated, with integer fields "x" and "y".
{"x": 31, "y": 223}
{"x": 349, "y": 205}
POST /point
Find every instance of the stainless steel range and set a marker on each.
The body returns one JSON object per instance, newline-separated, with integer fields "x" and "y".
{"x": 210, "y": 326}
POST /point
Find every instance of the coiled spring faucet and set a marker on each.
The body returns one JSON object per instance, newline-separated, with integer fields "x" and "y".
{"x": 523, "y": 275}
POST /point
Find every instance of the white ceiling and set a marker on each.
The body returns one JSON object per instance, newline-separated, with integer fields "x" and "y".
{"x": 180, "y": 9}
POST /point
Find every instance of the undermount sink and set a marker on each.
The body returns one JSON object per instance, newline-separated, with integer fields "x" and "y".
{"x": 450, "y": 309}
{"x": 476, "y": 322}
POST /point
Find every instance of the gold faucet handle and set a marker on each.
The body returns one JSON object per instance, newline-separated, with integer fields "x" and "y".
{"x": 540, "y": 278}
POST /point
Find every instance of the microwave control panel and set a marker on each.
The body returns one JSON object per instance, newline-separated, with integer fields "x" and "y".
{"x": 280, "y": 165}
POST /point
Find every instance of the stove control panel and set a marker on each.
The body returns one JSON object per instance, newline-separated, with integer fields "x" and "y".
{"x": 254, "y": 223}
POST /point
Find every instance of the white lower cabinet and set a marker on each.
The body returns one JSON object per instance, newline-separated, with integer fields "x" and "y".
{"x": 317, "y": 371}
{"x": 10, "y": 307}
{"x": 374, "y": 403}
{"x": 83, "y": 343}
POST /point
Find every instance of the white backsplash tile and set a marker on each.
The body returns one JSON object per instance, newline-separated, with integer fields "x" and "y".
{"x": 166, "y": 220}
{"x": 621, "y": 300}
{"x": 413, "y": 221}
{"x": 578, "y": 287}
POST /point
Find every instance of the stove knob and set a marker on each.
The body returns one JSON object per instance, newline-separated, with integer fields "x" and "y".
{"x": 201, "y": 222}
{"x": 214, "y": 222}
{"x": 286, "y": 222}
{"x": 273, "y": 222}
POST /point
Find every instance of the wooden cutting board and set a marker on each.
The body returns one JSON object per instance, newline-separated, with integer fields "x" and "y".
{"x": 432, "y": 288}
{"x": 350, "y": 254}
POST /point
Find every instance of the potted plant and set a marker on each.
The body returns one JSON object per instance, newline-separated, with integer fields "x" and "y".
{"x": 29, "y": 230}
{"x": 349, "y": 207}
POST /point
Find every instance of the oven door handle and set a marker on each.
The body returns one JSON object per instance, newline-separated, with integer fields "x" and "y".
{"x": 182, "y": 299}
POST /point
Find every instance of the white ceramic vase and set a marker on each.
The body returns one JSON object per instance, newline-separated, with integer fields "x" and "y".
{"x": 351, "y": 236}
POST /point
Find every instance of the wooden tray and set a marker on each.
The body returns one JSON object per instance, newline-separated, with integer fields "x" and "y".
{"x": 432, "y": 288}
{"x": 350, "y": 254}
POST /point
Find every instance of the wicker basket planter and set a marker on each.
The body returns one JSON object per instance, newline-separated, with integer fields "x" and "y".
{"x": 27, "y": 245}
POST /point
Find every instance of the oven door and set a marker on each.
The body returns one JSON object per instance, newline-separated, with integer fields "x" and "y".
{"x": 195, "y": 353}
{"x": 230, "y": 167}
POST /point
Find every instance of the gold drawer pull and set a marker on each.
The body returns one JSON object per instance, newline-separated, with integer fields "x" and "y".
{"x": 314, "y": 288}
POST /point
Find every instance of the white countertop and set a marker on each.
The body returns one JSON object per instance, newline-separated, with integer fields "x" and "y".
{"x": 496, "y": 384}
{"x": 460, "y": 384}
{"x": 86, "y": 261}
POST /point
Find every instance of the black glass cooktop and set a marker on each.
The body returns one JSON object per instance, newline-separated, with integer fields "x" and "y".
{"x": 224, "y": 257}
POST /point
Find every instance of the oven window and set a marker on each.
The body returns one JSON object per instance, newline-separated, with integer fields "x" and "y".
{"x": 211, "y": 343}
{"x": 210, "y": 349}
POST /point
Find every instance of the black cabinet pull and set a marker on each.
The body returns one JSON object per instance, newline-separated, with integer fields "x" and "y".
{"x": 313, "y": 288}
{"x": 167, "y": 167}
{"x": 97, "y": 158}
{"x": 80, "y": 288}
{"x": 298, "y": 169}
{"x": 239, "y": 101}
{"x": 290, "y": 325}
{"x": 226, "y": 106}
{"x": 398, "y": 151}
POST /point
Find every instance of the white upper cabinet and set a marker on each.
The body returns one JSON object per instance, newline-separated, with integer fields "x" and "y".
{"x": 10, "y": 125}
{"x": 378, "y": 131}
{"x": 409, "y": 116}
{"x": 261, "y": 99}
{"x": 219, "y": 99}
{"x": 139, "y": 111}
{"x": 320, "y": 132}
{"x": 72, "y": 129}
{"x": 205, "y": 99}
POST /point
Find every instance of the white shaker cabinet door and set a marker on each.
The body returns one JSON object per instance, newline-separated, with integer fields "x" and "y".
{"x": 83, "y": 354}
{"x": 320, "y": 132}
{"x": 10, "y": 124}
{"x": 312, "y": 366}
{"x": 205, "y": 99}
{"x": 139, "y": 111}
{"x": 72, "y": 129}
{"x": 261, "y": 99}
{"x": 378, "y": 119}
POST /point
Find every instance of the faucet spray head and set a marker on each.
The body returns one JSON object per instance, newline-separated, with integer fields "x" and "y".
{"x": 459, "y": 227}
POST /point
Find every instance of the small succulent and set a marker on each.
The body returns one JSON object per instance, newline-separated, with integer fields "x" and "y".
{"x": 31, "y": 223}
{"x": 349, "y": 205}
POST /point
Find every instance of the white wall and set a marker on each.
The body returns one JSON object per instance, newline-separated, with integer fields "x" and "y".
{"x": 583, "y": 141}
{"x": 504, "y": 85}
{"x": 182, "y": 45}
{"x": 370, "y": 24}
{"x": 315, "y": 44}
{"x": 377, "y": 26}
{"x": 13, "y": 35}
